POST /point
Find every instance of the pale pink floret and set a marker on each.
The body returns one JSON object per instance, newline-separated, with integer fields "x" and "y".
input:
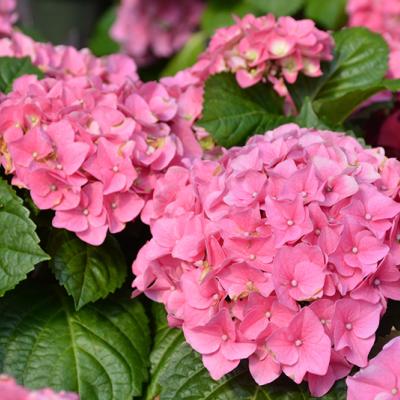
{"x": 380, "y": 379}
{"x": 10, "y": 390}
{"x": 283, "y": 243}
{"x": 154, "y": 29}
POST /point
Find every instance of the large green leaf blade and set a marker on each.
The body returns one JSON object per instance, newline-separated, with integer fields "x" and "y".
{"x": 232, "y": 114}
{"x": 166, "y": 342}
{"x": 19, "y": 244}
{"x": 329, "y": 14}
{"x": 356, "y": 73}
{"x": 13, "y": 68}
{"x": 100, "y": 351}
{"x": 277, "y": 7}
{"x": 88, "y": 273}
{"x": 101, "y": 43}
{"x": 362, "y": 60}
{"x": 219, "y": 13}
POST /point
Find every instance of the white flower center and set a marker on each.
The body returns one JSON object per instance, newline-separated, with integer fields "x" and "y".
{"x": 377, "y": 282}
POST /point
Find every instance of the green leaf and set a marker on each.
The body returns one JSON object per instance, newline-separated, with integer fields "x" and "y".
{"x": 330, "y": 14}
{"x": 101, "y": 42}
{"x": 392, "y": 84}
{"x": 19, "y": 244}
{"x": 219, "y": 13}
{"x": 278, "y": 7}
{"x": 183, "y": 377}
{"x": 232, "y": 114}
{"x": 187, "y": 56}
{"x": 13, "y": 68}
{"x": 100, "y": 351}
{"x": 166, "y": 343}
{"x": 356, "y": 73}
{"x": 88, "y": 273}
{"x": 308, "y": 118}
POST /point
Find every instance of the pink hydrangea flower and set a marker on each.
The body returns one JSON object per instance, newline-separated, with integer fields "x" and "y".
{"x": 155, "y": 29}
{"x": 380, "y": 379}
{"x": 90, "y": 150}
{"x": 279, "y": 252}
{"x": 66, "y": 62}
{"x": 10, "y": 390}
{"x": 380, "y": 16}
{"x": 8, "y": 16}
{"x": 264, "y": 49}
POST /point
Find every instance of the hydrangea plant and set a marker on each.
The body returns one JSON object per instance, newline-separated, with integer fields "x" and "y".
{"x": 228, "y": 153}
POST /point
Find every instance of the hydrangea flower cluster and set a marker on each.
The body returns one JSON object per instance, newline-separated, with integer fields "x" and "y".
{"x": 155, "y": 29}
{"x": 264, "y": 48}
{"x": 92, "y": 155}
{"x": 283, "y": 252}
{"x": 66, "y": 62}
{"x": 381, "y": 16}
{"x": 10, "y": 390}
{"x": 8, "y": 16}
{"x": 381, "y": 379}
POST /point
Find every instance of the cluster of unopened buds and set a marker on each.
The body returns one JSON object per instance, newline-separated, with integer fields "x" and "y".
{"x": 283, "y": 252}
{"x": 155, "y": 29}
{"x": 10, "y": 390}
{"x": 91, "y": 154}
{"x": 381, "y": 16}
{"x": 262, "y": 49}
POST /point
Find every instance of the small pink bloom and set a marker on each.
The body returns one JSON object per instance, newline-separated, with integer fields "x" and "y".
{"x": 354, "y": 325}
{"x": 290, "y": 219}
{"x": 240, "y": 279}
{"x": 373, "y": 209}
{"x": 88, "y": 219}
{"x": 263, "y": 315}
{"x": 298, "y": 274}
{"x": 380, "y": 379}
{"x": 383, "y": 284}
{"x": 338, "y": 369}
{"x": 302, "y": 347}
{"x": 218, "y": 342}
{"x": 52, "y": 189}
{"x": 263, "y": 366}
